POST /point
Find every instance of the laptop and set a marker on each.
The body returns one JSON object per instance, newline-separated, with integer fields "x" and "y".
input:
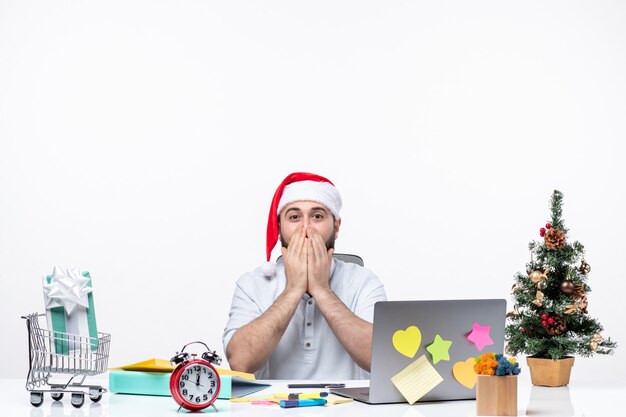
{"x": 452, "y": 320}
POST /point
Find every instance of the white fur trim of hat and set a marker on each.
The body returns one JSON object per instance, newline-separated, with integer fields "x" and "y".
{"x": 320, "y": 192}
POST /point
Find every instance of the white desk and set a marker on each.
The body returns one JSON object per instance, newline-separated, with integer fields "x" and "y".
{"x": 536, "y": 401}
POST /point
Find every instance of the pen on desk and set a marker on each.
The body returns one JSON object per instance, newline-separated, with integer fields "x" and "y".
{"x": 300, "y": 395}
{"x": 302, "y": 403}
{"x": 307, "y": 395}
{"x": 317, "y": 385}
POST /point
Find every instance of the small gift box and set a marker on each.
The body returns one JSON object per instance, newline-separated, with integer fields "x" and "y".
{"x": 496, "y": 385}
{"x": 70, "y": 311}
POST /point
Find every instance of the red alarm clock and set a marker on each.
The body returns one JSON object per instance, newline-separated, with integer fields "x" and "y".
{"x": 195, "y": 383}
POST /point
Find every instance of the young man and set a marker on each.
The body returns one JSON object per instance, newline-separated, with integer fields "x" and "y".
{"x": 310, "y": 316}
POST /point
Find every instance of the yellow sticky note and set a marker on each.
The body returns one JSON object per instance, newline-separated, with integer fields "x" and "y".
{"x": 253, "y": 399}
{"x": 150, "y": 365}
{"x": 416, "y": 380}
{"x": 333, "y": 399}
{"x": 243, "y": 375}
{"x": 407, "y": 341}
{"x": 164, "y": 365}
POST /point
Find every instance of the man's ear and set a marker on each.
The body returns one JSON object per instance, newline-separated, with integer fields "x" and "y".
{"x": 337, "y": 225}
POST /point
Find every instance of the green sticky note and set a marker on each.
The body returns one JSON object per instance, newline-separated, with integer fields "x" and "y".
{"x": 439, "y": 349}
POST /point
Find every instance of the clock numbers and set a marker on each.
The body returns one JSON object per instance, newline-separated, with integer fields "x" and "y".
{"x": 197, "y": 384}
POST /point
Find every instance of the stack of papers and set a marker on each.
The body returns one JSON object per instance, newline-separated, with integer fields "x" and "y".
{"x": 152, "y": 377}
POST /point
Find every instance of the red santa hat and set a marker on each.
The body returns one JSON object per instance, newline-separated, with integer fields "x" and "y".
{"x": 298, "y": 186}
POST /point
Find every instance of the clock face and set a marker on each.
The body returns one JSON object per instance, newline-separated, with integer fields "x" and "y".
{"x": 198, "y": 385}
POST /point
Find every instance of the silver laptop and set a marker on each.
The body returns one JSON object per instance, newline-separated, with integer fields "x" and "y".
{"x": 452, "y": 320}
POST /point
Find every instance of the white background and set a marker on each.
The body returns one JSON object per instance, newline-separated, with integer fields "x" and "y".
{"x": 143, "y": 140}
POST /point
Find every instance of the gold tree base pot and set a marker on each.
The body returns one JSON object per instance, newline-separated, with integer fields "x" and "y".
{"x": 550, "y": 372}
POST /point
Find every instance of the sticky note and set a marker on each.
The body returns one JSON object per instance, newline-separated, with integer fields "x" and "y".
{"x": 149, "y": 365}
{"x": 416, "y": 380}
{"x": 263, "y": 402}
{"x": 439, "y": 349}
{"x": 464, "y": 372}
{"x": 253, "y": 399}
{"x": 480, "y": 336}
{"x": 333, "y": 399}
{"x": 407, "y": 341}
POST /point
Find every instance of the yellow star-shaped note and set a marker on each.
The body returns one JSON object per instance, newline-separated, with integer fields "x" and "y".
{"x": 439, "y": 349}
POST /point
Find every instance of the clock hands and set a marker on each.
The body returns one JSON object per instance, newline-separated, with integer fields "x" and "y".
{"x": 198, "y": 384}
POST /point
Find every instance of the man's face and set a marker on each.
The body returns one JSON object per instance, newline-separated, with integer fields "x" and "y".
{"x": 312, "y": 215}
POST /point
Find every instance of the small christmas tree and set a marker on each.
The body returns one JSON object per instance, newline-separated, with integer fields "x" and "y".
{"x": 550, "y": 318}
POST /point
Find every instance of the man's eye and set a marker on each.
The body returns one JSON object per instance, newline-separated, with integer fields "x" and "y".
{"x": 318, "y": 216}
{"x": 294, "y": 217}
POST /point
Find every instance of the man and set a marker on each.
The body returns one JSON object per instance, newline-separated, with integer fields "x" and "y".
{"x": 309, "y": 316}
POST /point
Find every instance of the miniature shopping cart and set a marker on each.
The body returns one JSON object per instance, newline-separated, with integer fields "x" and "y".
{"x": 51, "y": 352}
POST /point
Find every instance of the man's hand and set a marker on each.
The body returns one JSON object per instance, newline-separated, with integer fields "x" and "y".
{"x": 318, "y": 263}
{"x": 295, "y": 261}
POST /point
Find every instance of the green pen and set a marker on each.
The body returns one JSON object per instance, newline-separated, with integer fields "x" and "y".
{"x": 302, "y": 403}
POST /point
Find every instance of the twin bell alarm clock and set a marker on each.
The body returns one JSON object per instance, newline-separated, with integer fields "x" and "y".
{"x": 195, "y": 384}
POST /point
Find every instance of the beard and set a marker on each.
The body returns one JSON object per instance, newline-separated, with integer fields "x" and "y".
{"x": 330, "y": 242}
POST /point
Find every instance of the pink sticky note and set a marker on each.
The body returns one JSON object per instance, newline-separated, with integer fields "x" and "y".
{"x": 263, "y": 402}
{"x": 480, "y": 336}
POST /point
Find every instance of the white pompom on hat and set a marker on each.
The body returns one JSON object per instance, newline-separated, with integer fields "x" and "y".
{"x": 298, "y": 186}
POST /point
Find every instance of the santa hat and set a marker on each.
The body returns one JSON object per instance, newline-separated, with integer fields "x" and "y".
{"x": 298, "y": 186}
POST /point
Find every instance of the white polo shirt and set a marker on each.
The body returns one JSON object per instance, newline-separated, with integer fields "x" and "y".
{"x": 308, "y": 348}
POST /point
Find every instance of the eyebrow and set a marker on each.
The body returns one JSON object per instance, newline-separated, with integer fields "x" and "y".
{"x": 317, "y": 208}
